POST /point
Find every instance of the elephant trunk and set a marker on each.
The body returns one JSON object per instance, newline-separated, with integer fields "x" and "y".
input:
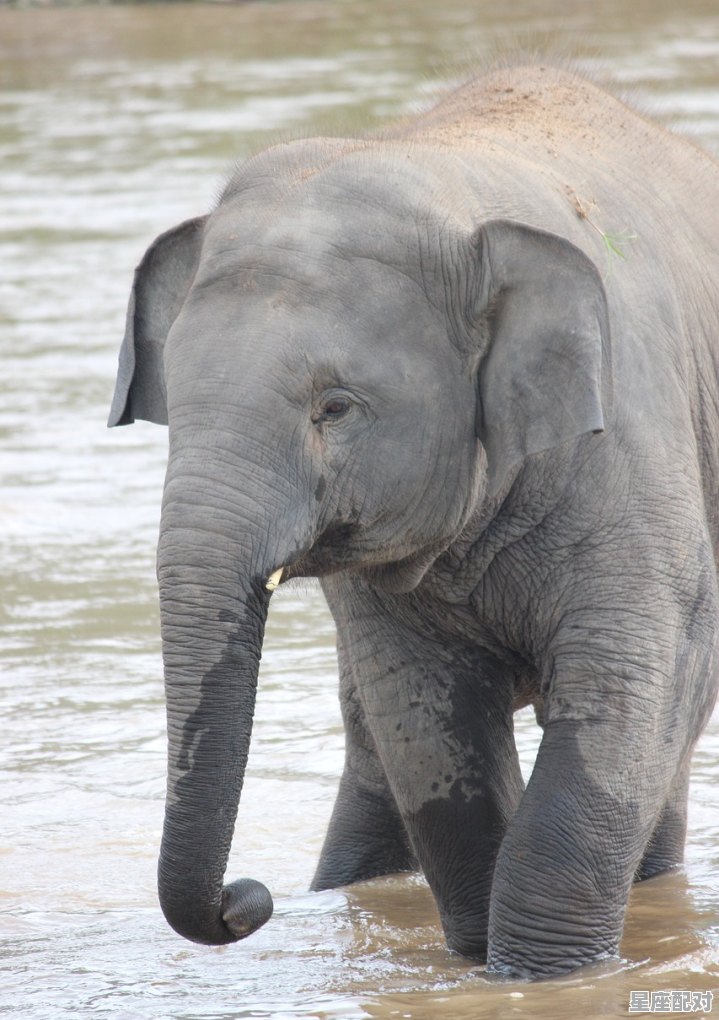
{"x": 214, "y": 558}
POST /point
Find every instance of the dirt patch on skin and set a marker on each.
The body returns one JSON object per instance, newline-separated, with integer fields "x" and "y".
{"x": 547, "y": 123}
{"x": 519, "y": 104}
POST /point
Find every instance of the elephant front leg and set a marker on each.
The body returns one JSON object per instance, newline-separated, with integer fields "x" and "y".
{"x": 565, "y": 867}
{"x": 457, "y": 828}
{"x": 440, "y": 716}
{"x": 610, "y": 775}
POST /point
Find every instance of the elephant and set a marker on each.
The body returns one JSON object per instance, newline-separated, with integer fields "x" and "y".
{"x": 464, "y": 370}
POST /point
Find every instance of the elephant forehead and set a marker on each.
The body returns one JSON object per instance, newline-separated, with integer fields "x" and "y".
{"x": 250, "y": 236}
{"x": 312, "y": 328}
{"x": 247, "y": 336}
{"x": 314, "y": 233}
{"x": 299, "y": 286}
{"x": 313, "y": 295}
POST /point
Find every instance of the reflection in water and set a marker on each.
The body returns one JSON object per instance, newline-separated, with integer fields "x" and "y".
{"x": 114, "y": 124}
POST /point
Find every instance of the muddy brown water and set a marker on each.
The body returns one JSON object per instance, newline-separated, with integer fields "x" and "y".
{"x": 116, "y": 122}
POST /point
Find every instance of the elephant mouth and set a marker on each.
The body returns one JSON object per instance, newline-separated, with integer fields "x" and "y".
{"x": 334, "y": 550}
{"x": 343, "y": 546}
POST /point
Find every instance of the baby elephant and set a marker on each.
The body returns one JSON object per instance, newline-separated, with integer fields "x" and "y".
{"x": 466, "y": 372}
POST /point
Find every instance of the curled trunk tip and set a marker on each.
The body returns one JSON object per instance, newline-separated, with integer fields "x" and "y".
{"x": 246, "y": 906}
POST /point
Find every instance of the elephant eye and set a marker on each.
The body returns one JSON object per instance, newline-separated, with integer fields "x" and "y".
{"x": 332, "y": 409}
{"x": 336, "y": 408}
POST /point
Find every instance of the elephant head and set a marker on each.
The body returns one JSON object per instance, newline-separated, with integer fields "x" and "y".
{"x": 348, "y": 369}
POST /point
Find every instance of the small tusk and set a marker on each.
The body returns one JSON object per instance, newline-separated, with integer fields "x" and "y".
{"x": 274, "y": 579}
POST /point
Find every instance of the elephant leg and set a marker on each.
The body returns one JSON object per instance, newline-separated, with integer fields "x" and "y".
{"x": 440, "y": 716}
{"x": 444, "y": 728}
{"x": 665, "y": 849}
{"x": 616, "y": 736}
{"x": 565, "y": 867}
{"x": 366, "y": 836}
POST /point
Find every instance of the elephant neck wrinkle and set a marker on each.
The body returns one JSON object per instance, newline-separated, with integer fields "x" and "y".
{"x": 496, "y": 525}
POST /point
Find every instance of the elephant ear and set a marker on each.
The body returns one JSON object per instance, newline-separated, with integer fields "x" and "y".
{"x": 545, "y": 377}
{"x": 159, "y": 289}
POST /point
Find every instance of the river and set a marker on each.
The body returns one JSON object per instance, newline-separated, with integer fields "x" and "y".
{"x": 115, "y": 123}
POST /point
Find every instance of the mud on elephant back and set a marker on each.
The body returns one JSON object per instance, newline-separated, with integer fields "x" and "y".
{"x": 412, "y": 365}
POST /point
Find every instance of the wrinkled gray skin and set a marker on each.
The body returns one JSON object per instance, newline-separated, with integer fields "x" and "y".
{"x": 386, "y": 363}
